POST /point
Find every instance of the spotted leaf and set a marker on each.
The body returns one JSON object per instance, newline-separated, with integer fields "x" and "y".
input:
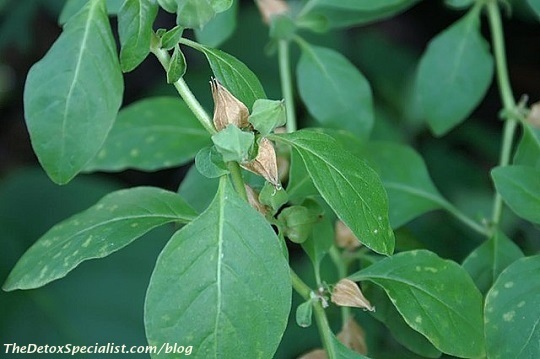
{"x": 111, "y": 224}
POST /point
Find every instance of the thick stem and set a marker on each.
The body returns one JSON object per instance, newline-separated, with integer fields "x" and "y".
{"x": 237, "y": 179}
{"x": 186, "y": 94}
{"x": 286, "y": 83}
{"x": 506, "y": 94}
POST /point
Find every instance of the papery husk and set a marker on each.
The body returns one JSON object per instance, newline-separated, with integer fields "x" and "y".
{"x": 269, "y": 8}
{"x": 345, "y": 238}
{"x": 253, "y": 199}
{"x": 353, "y": 336}
{"x": 265, "y": 164}
{"x": 533, "y": 117}
{"x": 346, "y": 293}
{"x": 227, "y": 108}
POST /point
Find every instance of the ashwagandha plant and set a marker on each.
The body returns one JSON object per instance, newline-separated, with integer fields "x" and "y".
{"x": 223, "y": 283}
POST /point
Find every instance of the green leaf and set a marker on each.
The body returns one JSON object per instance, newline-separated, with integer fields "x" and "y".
{"x": 519, "y": 187}
{"x": 300, "y": 184}
{"x": 267, "y": 115}
{"x": 209, "y": 163}
{"x": 171, "y": 38}
{"x": 486, "y": 262}
{"x": 454, "y": 73}
{"x": 135, "y": 21}
{"x": 335, "y": 92}
{"x": 224, "y": 271}
{"x": 535, "y": 6}
{"x": 233, "y": 74}
{"x": 351, "y": 188}
{"x": 436, "y": 297}
{"x": 111, "y": 224}
{"x": 388, "y": 314}
{"x": 72, "y": 7}
{"x": 363, "y": 5}
{"x": 169, "y": 5}
{"x": 193, "y": 13}
{"x": 72, "y": 95}
{"x": 219, "y": 29}
{"x": 150, "y": 134}
{"x": 233, "y": 143}
{"x": 528, "y": 150}
{"x": 336, "y": 350}
{"x": 198, "y": 190}
{"x": 319, "y": 243}
{"x": 459, "y": 4}
{"x": 332, "y": 15}
{"x": 177, "y": 66}
{"x": 512, "y": 312}
{"x": 403, "y": 172}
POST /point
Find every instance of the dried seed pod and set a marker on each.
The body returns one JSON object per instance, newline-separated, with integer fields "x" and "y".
{"x": 353, "y": 336}
{"x": 534, "y": 115}
{"x": 253, "y": 199}
{"x": 345, "y": 238}
{"x": 269, "y": 8}
{"x": 346, "y": 293}
{"x": 227, "y": 108}
{"x": 265, "y": 164}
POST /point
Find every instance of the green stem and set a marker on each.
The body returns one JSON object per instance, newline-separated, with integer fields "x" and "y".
{"x": 320, "y": 316}
{"x": 286, "y": 83}
{"x": 186, "y": 94}
{"x": 310, "y": 4}
{"x": 339, "y": 262}
{"x": 506, "y": 94}
{"x": 237, "y": 179}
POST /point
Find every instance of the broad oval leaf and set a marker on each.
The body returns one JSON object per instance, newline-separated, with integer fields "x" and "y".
{"x": 135, "y": 21}
{"x": 401, "y": 331}
{"x": 528, "y": 150}
{"x": 351, "y": 188}
{"x": 335, "y": 92}
{"x": 71, "y": 7}
{"x": 225, "y": 272}
{"x": 73, "y": 94}
{"x": 403, "y": 172}
{"x": 486, "y": 262}
{"x": 111, "y": 224}
{"x": 232, "y": 73}
{"x": 150, "y": 134}
{"x": 519, "y": 187}
{"x": 454, "y": 73}
{"x": 436, "y": 297}
{"x": 219, "y": 29}
{"x": 198, "y": 190}
{"x": 512, "y": 313}
{"x": 362, "y": 5}
{"x": 330, "y": 15}
{"x": 299, "y": 185}
{"x": 193, "y": 13}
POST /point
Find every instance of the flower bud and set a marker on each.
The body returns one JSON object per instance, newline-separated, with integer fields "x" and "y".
{"x": 227, "y": 108}
{"x": 346, "y": 293}
{"x": 265, "y": 163}
{"x": 269, "y": 8}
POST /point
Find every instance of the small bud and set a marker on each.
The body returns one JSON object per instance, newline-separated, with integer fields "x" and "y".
{"x": 254, "y": 200}
{"x": 269, "y": 8}
{"x": 534, "y": 115}
{"x": 345, "y": 238}
{"x": 272, "y": 197}
{"x": 353, "y": 336}
{"x": 346, "y": 293}
{"x": 303, "y": 314}
{"x": 265, "y": 163}
{"x": 227, "y": 108}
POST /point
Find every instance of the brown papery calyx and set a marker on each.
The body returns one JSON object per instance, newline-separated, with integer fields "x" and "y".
{"x": 265, "y": 164}
{"x": 227, "y": 108}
